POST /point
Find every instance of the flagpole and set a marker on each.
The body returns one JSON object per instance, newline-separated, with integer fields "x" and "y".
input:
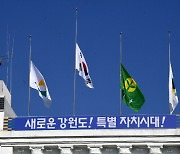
{"x": 7, "y": 54}
{"x": 120, "y": 72}
{"x": 169, "y": 60}
{"x": 11, "y": 58}
{"x": 29, "y": 76}
{"x": 74, "y": 101}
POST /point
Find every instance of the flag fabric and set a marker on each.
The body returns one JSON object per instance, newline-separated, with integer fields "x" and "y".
{"x": 82, "y": 67}
{"x": 37, "y": 82}
{"x": 131, "y": 94}
{"x": 173, "y": 98}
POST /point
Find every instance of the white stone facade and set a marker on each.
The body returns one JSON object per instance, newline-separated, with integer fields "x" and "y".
{"x": 114, "y": 141}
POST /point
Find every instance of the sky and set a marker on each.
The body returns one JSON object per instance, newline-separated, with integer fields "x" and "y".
{"x": 52, "y": 24}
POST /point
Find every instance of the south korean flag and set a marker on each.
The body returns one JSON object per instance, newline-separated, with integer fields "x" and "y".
{"x": 82, "y": 67}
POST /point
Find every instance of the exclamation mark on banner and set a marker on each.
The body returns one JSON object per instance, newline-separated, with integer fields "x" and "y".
{"x": 163, "y": 120}
{"x": 90, "y": 121}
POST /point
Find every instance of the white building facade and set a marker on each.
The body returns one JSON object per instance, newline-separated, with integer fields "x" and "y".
{"x": 113, "y": 141}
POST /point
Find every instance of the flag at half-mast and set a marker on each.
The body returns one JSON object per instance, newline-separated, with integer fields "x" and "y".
{"x": 173, "y": 98}
{"x": 82, "y": 67}
{"x": 37, "y": 82}
{"x": 131, "y": 94}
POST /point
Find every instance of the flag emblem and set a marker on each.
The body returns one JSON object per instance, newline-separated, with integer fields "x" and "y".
{"x": 173, "y": 87}
{"x": 42, "y": 88}
{"x": 130, "y": 84}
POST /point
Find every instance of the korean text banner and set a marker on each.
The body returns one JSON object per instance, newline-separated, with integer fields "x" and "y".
{"x": 92, "y": 122}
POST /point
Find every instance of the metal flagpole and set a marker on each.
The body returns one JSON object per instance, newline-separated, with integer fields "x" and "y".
{"x": 29, "y": 76}
{"x": 7, "y": 54}
{"x": 120, "y": 72}
{"x": 169, "y": 60}
{"x": 11, "y": 58}
{"x": 74, "y": 101}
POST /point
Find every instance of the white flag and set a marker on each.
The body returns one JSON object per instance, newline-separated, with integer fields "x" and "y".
{"x": 37, "y": 82}
{"x": 82, "y": 67}
{"x": 173, "y": 99}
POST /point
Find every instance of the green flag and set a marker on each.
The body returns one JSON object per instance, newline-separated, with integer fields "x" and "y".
{"x": 131, "y": 94}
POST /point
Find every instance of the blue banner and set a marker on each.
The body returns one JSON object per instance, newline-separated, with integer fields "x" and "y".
{"x": 91, "y": 122}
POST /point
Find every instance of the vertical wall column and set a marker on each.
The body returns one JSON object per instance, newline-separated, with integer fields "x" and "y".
{"x": 95, "y": 149}
{"x": 155, "y": 149}
{"x": 1, "y": 120}
{"x": 65, "y": 149}
{"x": 124, "y": 149}
{"x": 6, "y": 150}
{"x": 36, "y": 149}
